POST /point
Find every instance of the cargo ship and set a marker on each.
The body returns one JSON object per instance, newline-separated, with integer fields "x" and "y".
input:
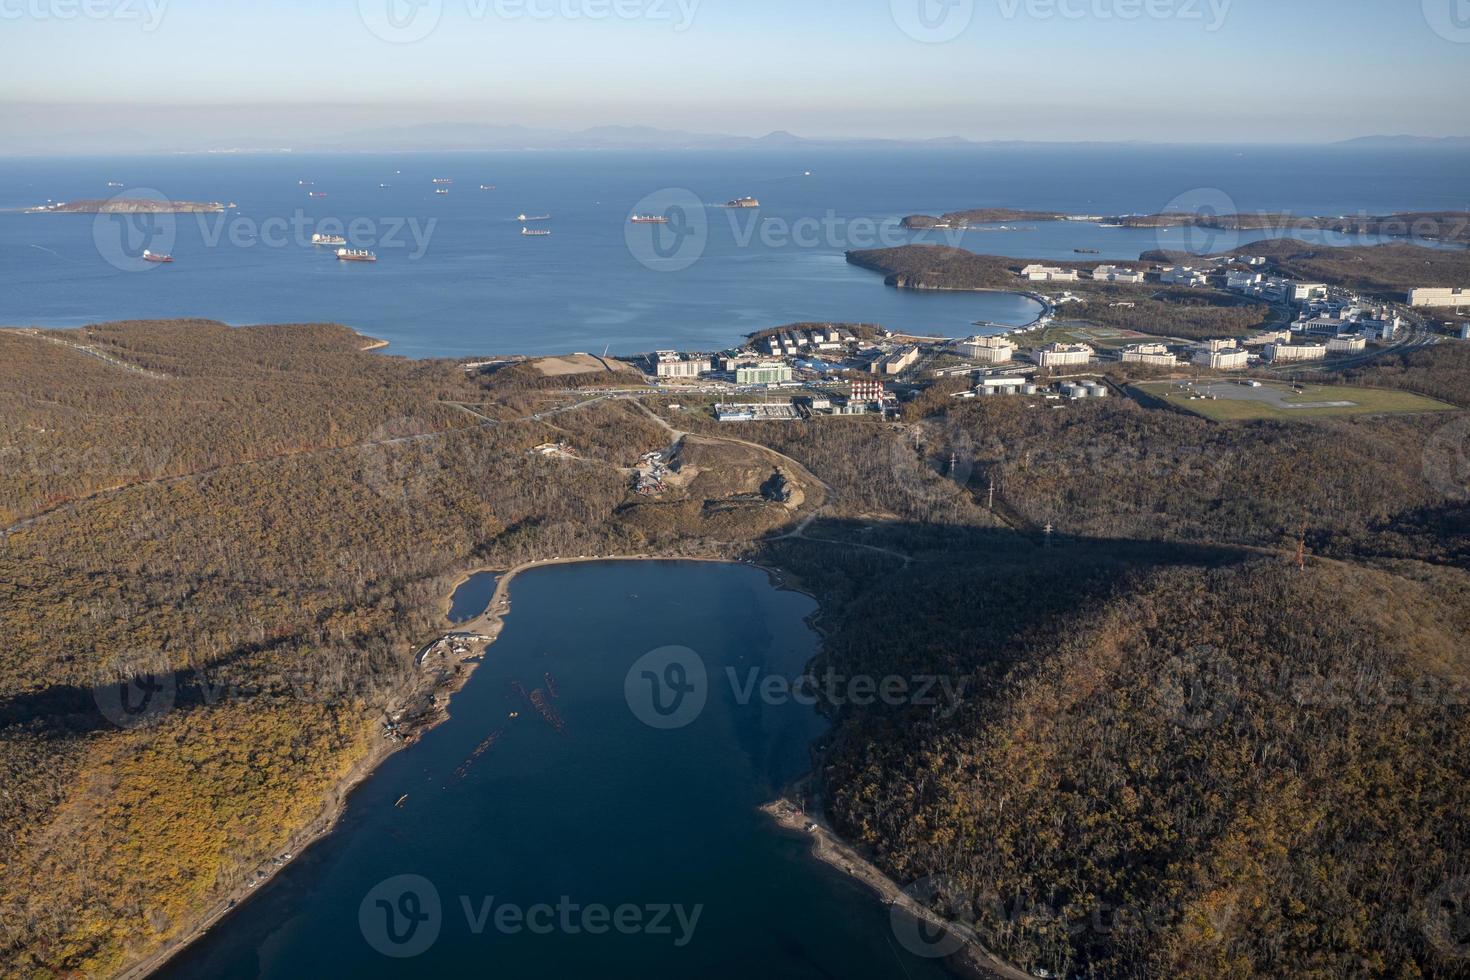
{"x": 536, "y": 232}
{"x": 443, "y": 180}
{"x": 523, "y": 218}
{"x": 743, "y": 202}
{"x": 487, "y": 187}
{"x": 328, "y": 240}
{"x": 317, "y": 194}
{"x": 649, "y": 219}
{"x": 441, "y": 190}
{"x": 113, "y": 183}
{"x": 356, "y": 255}
{"x": 155, "y": 257}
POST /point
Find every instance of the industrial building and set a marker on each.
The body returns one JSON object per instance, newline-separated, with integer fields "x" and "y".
{"x": 987, "y": 350}
{"x": 1455, "y": 298}
{"x": 1111, "y": 273}
{"x": 1062, "y": 355}
{"x": 1047, "y": 273}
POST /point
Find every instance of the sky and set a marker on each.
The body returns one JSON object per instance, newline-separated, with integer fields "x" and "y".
{"x": 206, "y": 74}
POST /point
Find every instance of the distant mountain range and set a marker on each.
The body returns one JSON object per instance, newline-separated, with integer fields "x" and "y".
{"x": 1389, "y": 141}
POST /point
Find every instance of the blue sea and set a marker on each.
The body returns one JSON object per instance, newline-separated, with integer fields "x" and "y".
{"x": 455, "y": 277}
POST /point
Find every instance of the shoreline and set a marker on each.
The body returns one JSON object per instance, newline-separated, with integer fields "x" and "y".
{"x": 972, "y": 961}
{"x": 488, "y": 625}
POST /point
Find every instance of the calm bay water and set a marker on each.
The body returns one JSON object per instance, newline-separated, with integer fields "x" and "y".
{"x": 456, "y": 278}
{"x": 612, "y": 812}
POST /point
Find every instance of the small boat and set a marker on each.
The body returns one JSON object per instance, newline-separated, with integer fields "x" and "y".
{"x": 155, "y": 257}
{"x": 401, "y": 800}
{"x": 356, "y": 255}
{"x": 536, "y": 232}
{"x": 649, "y": 219}
{"x": 328, "y": 240}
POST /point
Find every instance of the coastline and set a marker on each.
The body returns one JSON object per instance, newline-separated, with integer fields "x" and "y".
{"x": 972, "y": 961}
{"x": 488, "y": 626}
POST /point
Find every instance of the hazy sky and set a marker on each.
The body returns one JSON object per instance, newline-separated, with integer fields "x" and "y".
{"x": 1165, "y": 70}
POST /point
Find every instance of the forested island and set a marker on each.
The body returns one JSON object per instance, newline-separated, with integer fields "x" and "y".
{"x": 1443, "y": 226}
{"x": 131, "y": 205}
{"x": 1214, "y": 713}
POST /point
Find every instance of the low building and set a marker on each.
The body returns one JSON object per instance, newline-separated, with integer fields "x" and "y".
{"x": 764, "y": 373}
{"x": 1047, "y": 273}
{"x": 1158, "y": 355}
{"x": 1223, "y": 359}
{"x": 897, "y": 362}
{"x": 1183, "y": 275}
{"x": 1455, "y": 298}
{"x": 1305, "y": 292}
{"x": 1321, "y": 326}
{"x": 1063, "y": 355}
{"x": 1243, "y": 282}
{"x": 1347, "y": 345}
{"x": 1111, "y": 273}
{"x": 1004, "y": 385}
{"x": 987, "y": 350}
{"x": 1283, "y": 353}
